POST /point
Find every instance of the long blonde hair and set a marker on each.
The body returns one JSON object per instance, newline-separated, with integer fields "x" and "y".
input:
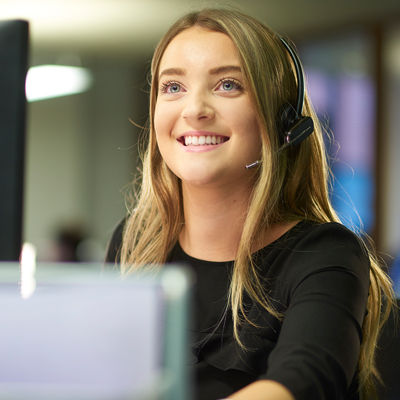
{"x": 291, "y": 185}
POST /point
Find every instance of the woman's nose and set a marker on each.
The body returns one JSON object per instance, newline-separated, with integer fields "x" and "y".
{"x": 197, "y": 107}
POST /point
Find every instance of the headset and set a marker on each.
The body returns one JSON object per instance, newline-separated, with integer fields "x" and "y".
{"x": 293, "y": 126}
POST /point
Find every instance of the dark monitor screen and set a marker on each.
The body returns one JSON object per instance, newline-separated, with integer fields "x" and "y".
{"x": 13, "y": 69}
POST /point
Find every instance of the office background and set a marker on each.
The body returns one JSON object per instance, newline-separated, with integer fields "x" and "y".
{"x": 81, "y": 154}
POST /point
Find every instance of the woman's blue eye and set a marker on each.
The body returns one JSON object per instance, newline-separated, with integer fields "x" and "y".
{"x": 228, "y": 85}
{"x": 174, "y": 88}
{"x": 170, "y": 87}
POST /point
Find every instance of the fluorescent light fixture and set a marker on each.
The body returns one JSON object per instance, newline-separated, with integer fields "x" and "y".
{"x": 48, "y": 81}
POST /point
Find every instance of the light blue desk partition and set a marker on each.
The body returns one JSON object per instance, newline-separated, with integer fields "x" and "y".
{"x": 76, "y": 331}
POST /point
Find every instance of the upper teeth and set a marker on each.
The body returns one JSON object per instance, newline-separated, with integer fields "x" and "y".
{"x": 200, "y": 140}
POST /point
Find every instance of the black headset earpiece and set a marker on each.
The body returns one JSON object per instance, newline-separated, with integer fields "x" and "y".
{"x": 294, "y": 127}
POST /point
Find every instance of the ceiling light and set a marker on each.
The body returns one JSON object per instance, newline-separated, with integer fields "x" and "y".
{"x": 48, "y": 81}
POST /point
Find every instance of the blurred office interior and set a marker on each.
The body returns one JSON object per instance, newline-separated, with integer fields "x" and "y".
{"x": 81, "y": 154}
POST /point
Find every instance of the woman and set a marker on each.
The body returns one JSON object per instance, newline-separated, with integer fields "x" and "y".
{"x": 288, "y": 300}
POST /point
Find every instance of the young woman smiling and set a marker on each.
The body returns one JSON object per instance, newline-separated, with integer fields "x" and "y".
{"x": 288, "y": 300}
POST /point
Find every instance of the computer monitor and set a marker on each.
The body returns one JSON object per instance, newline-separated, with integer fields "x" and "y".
{"x": 13, "y": 69}
{"x": 84, "y": 333}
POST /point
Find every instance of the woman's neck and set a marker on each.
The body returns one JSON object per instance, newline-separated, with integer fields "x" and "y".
{"x": 214, "y": 221}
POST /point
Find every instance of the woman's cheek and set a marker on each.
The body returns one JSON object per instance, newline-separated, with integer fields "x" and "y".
{"x": 162, "y": 121}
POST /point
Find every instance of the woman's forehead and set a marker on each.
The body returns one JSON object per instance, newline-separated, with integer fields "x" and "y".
{"x": 199, "y": 48}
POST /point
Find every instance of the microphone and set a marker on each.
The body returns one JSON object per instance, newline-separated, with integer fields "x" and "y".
{"x": 255, "y": 163}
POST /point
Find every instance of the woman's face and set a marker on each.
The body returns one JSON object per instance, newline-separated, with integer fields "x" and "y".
{"x": 205, "y": 124}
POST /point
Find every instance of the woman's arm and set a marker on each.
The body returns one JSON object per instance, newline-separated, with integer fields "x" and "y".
{"x": 318, "y": 346}
{"x": 263, "y": 390}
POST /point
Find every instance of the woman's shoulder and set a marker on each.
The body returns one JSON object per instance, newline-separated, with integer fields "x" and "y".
{"x": 321, "y": 235}
{"x": 312, "y": 247}
{"x": 327, "y": 236}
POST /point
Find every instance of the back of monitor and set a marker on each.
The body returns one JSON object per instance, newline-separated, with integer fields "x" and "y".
{"x": 95, "y": 339}
{"x": 13, "y": 68}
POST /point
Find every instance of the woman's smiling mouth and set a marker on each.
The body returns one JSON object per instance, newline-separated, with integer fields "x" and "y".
{"x": 203, "y": 140}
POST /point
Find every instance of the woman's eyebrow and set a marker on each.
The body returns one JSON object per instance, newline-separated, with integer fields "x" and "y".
{"x": 173, "y": 71}
{"x": 225, "y": 68}
{"x": 213, "y": 71}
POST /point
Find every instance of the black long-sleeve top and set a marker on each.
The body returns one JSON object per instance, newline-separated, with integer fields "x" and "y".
{"x": 317, "y": 275}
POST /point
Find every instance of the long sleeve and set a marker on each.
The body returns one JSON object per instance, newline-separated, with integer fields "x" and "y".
{"x": 325, "y": 283}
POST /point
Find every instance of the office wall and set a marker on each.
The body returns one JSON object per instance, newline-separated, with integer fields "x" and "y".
{"x": 81, "y": 153}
